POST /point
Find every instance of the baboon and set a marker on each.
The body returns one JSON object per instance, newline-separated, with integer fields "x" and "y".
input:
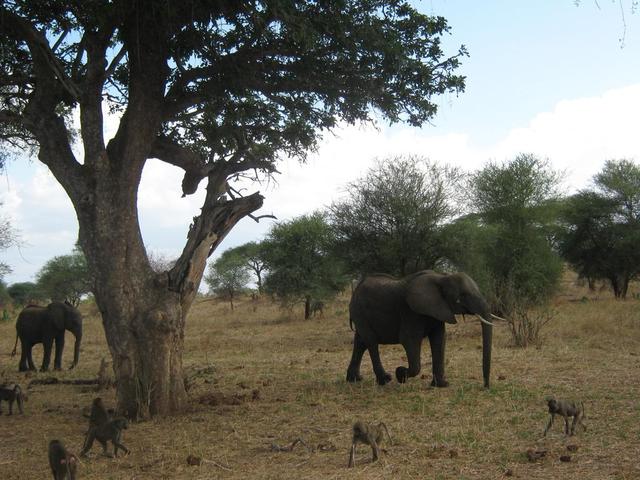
{"x": 371, "y": 435}
{"x": 11, "y": 395}
{"x": 97, "y": 418}
{"x": 63, "y": 463}
{"x": 109, "y": 431}
{"x": 566, "y": 409}
{"x": 317, "y": 307}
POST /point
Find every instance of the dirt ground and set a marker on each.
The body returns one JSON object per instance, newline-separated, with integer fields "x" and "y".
{"x": 260, "y": 380}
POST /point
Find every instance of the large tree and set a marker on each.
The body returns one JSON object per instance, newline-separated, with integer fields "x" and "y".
{"x": 65, "y": 277}
{"x": 391, "y": 219}
{"x": 600, "y": 227}
{"x": 514, "y": 204}
{"x": 300, "y": 261}
{"x": 228, "y": 275}
{"x": 219, "y": 88}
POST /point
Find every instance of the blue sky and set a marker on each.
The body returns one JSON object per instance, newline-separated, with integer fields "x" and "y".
{"x": 543, "y": 77}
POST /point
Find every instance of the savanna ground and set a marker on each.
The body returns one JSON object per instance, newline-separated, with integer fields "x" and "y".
{"x": 266, "y": 378}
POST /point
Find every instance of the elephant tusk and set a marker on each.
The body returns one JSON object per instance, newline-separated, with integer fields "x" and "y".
{"x": 495, "y": 317}
{"x": 483, "y": 320}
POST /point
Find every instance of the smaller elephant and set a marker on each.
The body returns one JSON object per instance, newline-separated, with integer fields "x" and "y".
{"x": 45, "y": 325}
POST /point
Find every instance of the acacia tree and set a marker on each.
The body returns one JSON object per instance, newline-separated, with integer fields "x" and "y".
{"x": 301, "y": 263}
{"x": 392, "y": 217}
{"x": 600, "y": 228}
{"x": 228, "y": 275}
{"x": 253, "y": 253}
{"x": 65, "y": 277}
{"x": 218, "y": 88}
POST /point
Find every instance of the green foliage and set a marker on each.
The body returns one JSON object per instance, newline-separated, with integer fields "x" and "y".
{"x": 65, "y": 277}
{"x": 301, "y": 266}
{"x": 600, "y": 228}
{"x": 228, "y": 275}
{"x": 24, "y": 293}
{"x": 253, "y": 253}
{"x": 509, "y": 236}
{"x": 392, "y": 220}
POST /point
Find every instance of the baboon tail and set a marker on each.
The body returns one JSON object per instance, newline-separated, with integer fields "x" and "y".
{"x": 15, "y": 346}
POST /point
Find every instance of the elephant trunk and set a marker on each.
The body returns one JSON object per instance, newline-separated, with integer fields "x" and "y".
{"x": 487, "y": 334}
{"x": 76, "y": 347}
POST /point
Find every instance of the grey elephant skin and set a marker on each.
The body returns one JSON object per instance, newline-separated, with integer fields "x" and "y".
{"x": 389, "y": 310}
{"x": 47, "y": 325}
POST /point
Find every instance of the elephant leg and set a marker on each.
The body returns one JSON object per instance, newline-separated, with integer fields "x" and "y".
{"x": 382, "y": 377}
{"x": 412, "y": 349}
{"x": 25, "y": 352}
{"x": 359, "y": 347}
{"x": 57, "y": 359}
{"x": 46, "y": 357}
{"x": 437, "y": 340}
{"x": 32, "y": 366}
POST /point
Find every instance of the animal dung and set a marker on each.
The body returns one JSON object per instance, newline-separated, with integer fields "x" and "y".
{"x": 565, "y": 458}
{"x": 572, "y": 448}
{"x": 193, "y": 460}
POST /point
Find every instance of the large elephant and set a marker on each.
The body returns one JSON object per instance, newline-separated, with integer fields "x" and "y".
{"x": 37, "y": 324}
{"x": 388, "y": 310}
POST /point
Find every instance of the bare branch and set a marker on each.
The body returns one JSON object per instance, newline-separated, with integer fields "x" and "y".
{"x": 60, "y": 40}
{"x": 116, "y": 60}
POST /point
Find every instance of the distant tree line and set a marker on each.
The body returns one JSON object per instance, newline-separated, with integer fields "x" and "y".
{"x": 508, "y": 225}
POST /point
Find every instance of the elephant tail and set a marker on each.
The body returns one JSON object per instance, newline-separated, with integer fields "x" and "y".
{"x": 15, "y": 346}
{"x": 351, "y": 323}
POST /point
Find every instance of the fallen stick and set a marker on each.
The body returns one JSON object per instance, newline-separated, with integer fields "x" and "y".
{"x": 57, "y": 381}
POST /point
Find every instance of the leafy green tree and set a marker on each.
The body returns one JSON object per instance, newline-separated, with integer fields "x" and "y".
{"x": 600, "y": 228}
{"x": 65, "y": 277}
{"x": 220, "y": 90}
{"x": 515, "y": 210}
{"x": 24, "y": 293}
{"x": 393, "y": 216}
{"x": 253, "y": 253}
{"x": 301, "y": 266}
{"x": 229, "y": 275}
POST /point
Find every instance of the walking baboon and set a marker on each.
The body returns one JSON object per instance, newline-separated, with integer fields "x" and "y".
{"x": 566, "y": 409}
{"x": 11, "y": 395}
{"x": 110, "y": 431}
{"x": 63, "y": 463}
{"x": 371, "y": 435}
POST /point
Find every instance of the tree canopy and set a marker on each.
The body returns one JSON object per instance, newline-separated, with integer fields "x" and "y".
{"x": 508, "y": 236}
{"x": 228, "y": 275}
{"x": 220, "y": 89}
{"x": 600, "y": 227}
{"x": 300, "y": 260}
{"x": 391, "y": 219}
{"x": 65, "y": 277}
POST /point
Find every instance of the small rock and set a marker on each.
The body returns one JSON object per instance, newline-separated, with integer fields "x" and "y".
{"x": 572, "y": 448}
{"x": 193, "y": 460}
{"x": 565, "y": 458}
{"x": 508, "y": 472}
{"x": 534, "y": 455}
{"x": 501, "y": 377}
{"x": 453, "y": 453}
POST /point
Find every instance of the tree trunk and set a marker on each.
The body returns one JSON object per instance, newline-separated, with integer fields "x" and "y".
{"x": 307, "y": 308}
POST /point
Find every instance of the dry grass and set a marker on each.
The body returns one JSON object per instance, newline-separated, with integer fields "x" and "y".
{"x": 268, "y": 378}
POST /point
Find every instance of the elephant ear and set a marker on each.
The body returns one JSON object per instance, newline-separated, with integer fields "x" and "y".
{"x": 424, "y": 295}
{"x": 56, "y": 314}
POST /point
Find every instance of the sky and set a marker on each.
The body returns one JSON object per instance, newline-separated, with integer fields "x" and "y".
{"x": 551, "y": 78}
